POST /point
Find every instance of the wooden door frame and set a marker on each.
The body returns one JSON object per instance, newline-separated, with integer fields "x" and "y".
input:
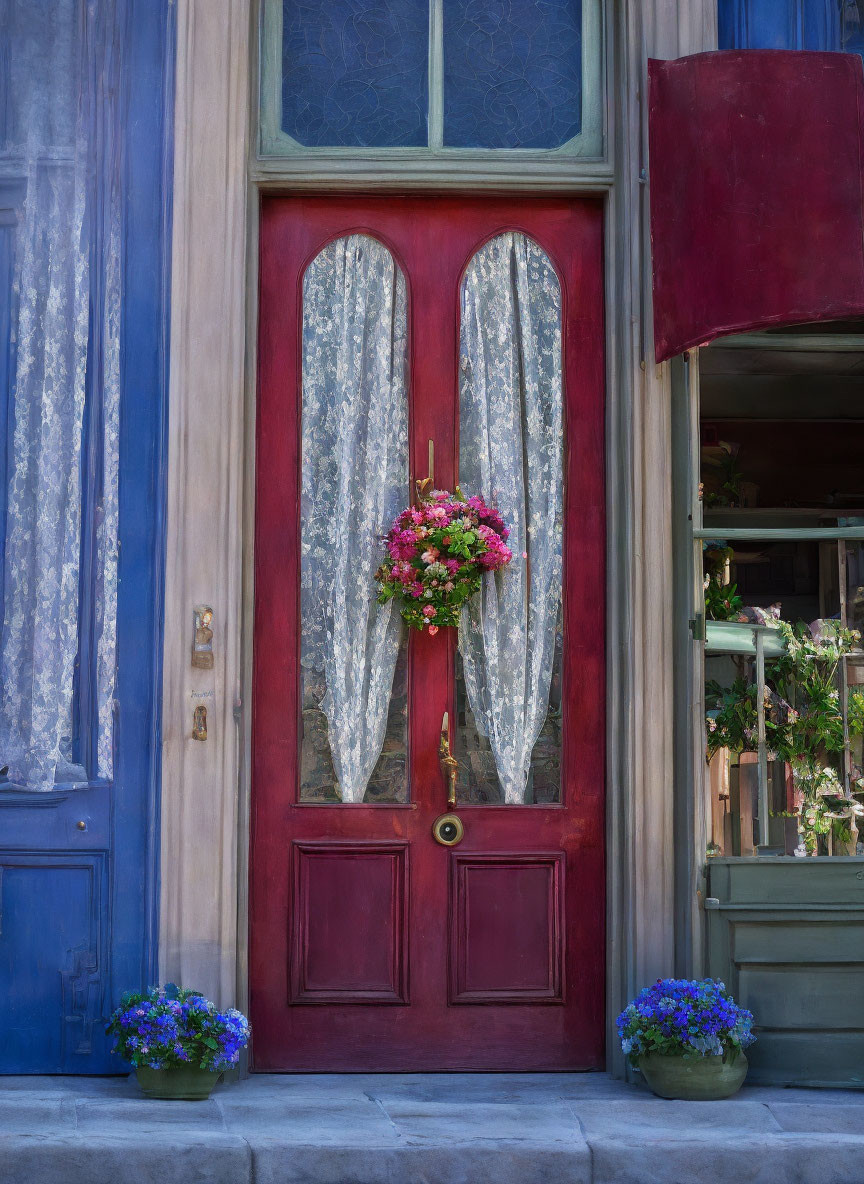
{"x": 208, "y": 936}
{"x": 294, "y": 231}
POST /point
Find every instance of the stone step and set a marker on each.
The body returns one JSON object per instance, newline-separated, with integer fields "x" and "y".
{"x": 428, "y": 1129}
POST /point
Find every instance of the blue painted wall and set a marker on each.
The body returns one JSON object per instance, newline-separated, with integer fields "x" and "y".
{"x": 78, "y": 903}
{"x": 791, "y": 24}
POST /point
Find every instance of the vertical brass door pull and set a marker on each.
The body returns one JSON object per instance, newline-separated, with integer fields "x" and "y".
{"x": 448, "y": 762}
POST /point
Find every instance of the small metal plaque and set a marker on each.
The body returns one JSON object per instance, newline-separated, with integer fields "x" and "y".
{"x": 199, "y": 723}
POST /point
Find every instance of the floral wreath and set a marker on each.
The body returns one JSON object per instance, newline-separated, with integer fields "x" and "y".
{"x": 439, "y": 550}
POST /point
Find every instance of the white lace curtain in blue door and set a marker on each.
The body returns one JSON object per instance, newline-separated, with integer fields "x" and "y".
{"x": 63, "y": 353}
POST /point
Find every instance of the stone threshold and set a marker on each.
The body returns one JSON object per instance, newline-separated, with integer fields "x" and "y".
{"x": 556, "y": 1128}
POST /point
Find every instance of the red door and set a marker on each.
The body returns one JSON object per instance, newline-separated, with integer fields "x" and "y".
{"x": 374, "y": 947}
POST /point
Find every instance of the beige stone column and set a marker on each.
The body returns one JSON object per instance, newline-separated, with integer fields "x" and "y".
{"x": 198, "y": 923}
{"x": 640, "y": 831}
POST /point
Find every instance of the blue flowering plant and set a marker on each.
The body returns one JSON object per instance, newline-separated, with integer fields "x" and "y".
{"x": 167, "y": 1026}
{"x": 684, "y": 1017}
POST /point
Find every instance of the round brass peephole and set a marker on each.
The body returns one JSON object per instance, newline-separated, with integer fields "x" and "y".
{"x": 448, "y": 830}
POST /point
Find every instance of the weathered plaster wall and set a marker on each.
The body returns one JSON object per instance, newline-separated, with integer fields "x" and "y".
{"x": 642, "y": 888}
{"x": 209, "y": 526}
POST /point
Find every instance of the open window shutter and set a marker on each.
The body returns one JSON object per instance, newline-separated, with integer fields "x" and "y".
{"x": 756, "y": 192}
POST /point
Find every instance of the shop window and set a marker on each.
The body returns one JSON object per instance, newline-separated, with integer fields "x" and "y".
{"x": 781, "y": 540}
{"x": 791, "y": 24}
{"x": 431, "y": 75}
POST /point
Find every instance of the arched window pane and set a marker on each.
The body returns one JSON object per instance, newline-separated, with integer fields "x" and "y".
{"x": 511, "y": 448}
{"x": 354, "y": 481}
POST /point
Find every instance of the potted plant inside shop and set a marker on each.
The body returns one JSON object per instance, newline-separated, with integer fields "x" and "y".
{"x": 805, "y": 728}
{"x": 178, "y": 1041}
{"x": 687, "y": 1037}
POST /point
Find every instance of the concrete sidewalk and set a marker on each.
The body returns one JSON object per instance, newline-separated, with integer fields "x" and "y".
{"x": 428, "y": 1129}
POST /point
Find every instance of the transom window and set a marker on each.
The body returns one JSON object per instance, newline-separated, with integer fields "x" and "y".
{"x": 420, "y": 76}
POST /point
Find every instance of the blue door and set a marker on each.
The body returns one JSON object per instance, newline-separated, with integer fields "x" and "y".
{"x": 84, "y": 232}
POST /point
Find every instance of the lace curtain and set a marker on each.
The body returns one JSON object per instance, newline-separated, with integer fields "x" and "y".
{"x": 354, "y": 482}
{"x": 65, "y": 350}
{"x": 511, "y": 450}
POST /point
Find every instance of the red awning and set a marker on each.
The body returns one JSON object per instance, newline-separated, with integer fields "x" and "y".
{"x": 756, "y": 192}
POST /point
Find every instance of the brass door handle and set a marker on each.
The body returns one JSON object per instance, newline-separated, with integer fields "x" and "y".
{"x": 446, "y": 759}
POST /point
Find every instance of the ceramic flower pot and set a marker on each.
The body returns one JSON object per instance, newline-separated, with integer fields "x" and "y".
{"x": 188, "y": 1083}
{"x": 694, "y": 1078}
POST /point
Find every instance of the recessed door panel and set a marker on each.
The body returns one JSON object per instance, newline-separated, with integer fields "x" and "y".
{"x": 52, "y": 955}
{"x": 348, "y": 923}
{"x": 507, "y": 931}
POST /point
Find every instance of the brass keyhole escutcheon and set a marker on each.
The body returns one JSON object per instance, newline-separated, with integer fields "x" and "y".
{"x": 448, "y": 830}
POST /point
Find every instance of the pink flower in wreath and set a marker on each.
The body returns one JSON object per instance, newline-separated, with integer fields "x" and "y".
{"x": 430, "y": 555}
{"x": 416, "y": 590}
{"x": 429, "y": 611}
{"x": 402, "y": 544}
{"x": 497, "y": 556}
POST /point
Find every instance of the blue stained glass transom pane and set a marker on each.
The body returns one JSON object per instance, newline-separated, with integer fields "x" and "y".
{"x": 354, "y": 73}
{"x": 512, "y": 73}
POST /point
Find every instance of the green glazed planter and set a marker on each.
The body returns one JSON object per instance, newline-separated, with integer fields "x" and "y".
{"x": 188, "y": 1083}
{"x": 694, "y": 1079}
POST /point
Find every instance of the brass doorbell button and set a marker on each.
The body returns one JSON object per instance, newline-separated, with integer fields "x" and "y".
{"x": 448, "y": 830}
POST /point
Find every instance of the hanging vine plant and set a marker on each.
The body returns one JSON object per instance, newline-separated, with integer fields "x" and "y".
{"x": 803, "y": 726}
{"x": 438, "y": 551}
